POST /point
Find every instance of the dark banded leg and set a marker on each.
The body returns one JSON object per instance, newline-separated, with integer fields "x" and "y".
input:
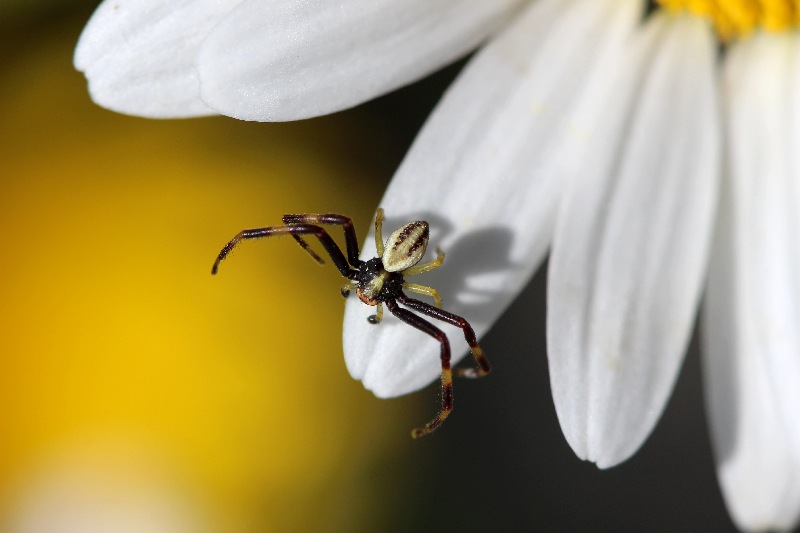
{"x": 330, "y": 219}
{"x": 447, "y": 375}
{"x": 460, "y": 322}
{"x": 299, "y": 229}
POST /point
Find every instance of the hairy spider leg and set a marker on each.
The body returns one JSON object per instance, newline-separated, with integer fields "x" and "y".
{"x": 304, "y": 245}
{"x": 447, "y": 374}
{"x": 425, "y": 290}
{"x": 379, "y": 232}
{"x": 300, "y": 229}
{"x": 330, "y": 219}
{"x": 460, "y": 322}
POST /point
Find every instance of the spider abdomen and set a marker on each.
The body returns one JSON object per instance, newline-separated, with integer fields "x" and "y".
{"x": 376, "y": 284}
{"x": 406, "y": 246}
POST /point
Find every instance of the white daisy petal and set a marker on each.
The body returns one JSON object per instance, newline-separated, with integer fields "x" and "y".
{"x": 290, "y": 59}
{"x": 630, "y": 250}
{"x": 753, "y": 302}
{"x": 138, "y": 55}
{"x": 486, "y": 172}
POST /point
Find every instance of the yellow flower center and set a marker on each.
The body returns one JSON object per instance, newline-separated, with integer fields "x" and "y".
{"x": 738, "y": 18}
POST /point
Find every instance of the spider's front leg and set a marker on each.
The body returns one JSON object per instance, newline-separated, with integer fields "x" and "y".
{"x": 447, "y": 374}
{"x": 329, "y": 219}
{"x": 300, "y": 229}
{"x": 460, "y": 322}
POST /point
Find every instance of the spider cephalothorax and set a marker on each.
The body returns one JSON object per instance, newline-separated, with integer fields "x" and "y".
{"x": 381, "y": 281}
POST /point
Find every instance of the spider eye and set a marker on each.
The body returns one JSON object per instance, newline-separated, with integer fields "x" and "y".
{"x": 405, "y": 247}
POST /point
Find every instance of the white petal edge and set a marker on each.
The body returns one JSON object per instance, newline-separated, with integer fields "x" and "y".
{"x": 486, "y": 171}
{"x": 273, "y": 60}
{"x": 752, "y": 309}
{"x": 631, "y": 245}
{"x": 139, "y": 55}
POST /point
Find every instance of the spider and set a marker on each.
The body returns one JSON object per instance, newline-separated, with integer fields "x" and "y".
{"x": 381, "y": 281}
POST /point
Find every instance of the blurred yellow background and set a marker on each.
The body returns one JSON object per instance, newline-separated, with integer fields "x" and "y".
{"x": 139, "y": 393}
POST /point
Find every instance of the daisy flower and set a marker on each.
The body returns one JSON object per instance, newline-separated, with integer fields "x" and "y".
{"x": 653, "y": 155}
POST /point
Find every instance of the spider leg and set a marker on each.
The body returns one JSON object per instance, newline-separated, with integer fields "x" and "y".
{"x": 447, "y": 374}
{"x": 427, "y": 291}
{"x": 379, "y": 232}
{"x": 460, "y": 322}
{"x": 300, "y": 229}
{"x": 330, "y": 219}
{"x": 426, "y": 267}
{"x": 304, "y": 245}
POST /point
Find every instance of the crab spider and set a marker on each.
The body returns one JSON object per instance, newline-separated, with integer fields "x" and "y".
{"x": 381, "y": 281}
